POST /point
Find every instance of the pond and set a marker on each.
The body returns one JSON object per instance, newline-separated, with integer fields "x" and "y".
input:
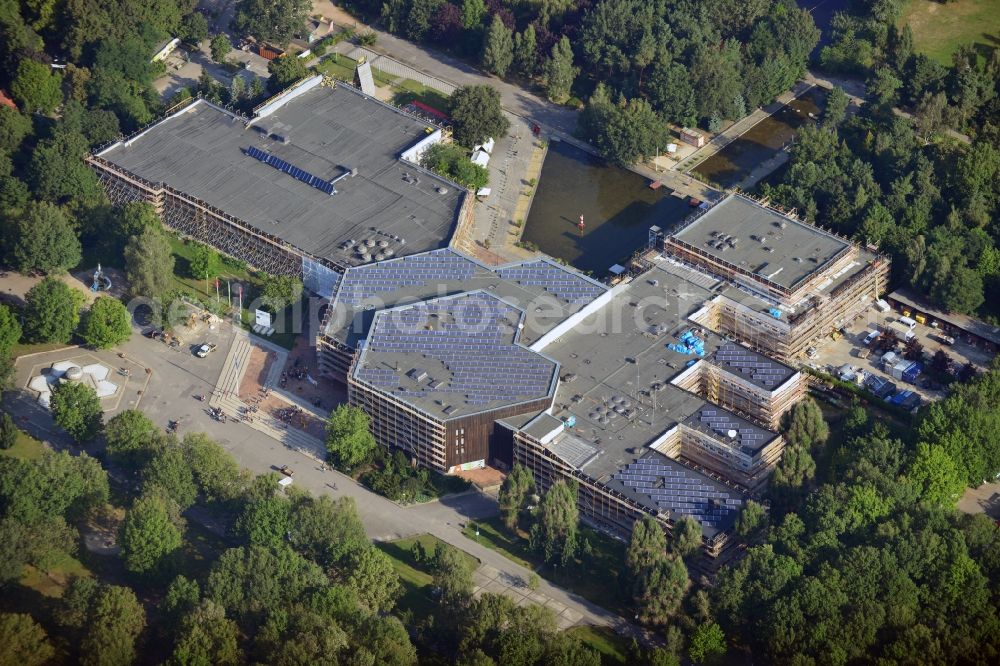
{"x": 732, "y": 164}
{"x": 617, "y": 205}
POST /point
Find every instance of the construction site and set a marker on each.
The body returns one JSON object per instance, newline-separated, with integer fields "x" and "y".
{"x": 787, "y": 283}
{"x": 465, "y": 366}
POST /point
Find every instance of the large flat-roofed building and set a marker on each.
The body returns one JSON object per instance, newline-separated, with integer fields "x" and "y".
{"x": 461, "y": 365}
{"x": 788, "y": 282}
{"x": 321, "y": 178}
{"x": 636, "y": 436}
{"x": 547, "y": 292}
{"x": 434, "y": 376}
{"x": 436, "y": 347}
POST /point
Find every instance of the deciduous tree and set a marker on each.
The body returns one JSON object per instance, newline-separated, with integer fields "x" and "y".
{"x": 8, "y": 431}
{"x": 149, "y": 537}
{"x": 217, "y": 473}
{"x": 526, "y": 51}
{"x": 132, "y": 438}
{"x": 707, "y": 641}
{"x": 660, "y": 590}
{"x": 204, "y": 262}
{"x": 452, "y": 576}
{"x": 247, "y": 581}
{"x": 554, "y": 534}
{"x": 116, "y": 619}
{"x": 220, "y": 47}
{"x": 271, "y": 20}
{"x": 348, "y": 438}
{"x": 685, "y": 536}
{"x": 514, "y": 493}
{"x": 149, "y": 263}
{"x": 476, "y": 115}
{"x": 44, "y": 240}
{"x": 327, "y": 531}
{"x": 752, "y": 520}
{"x": 170, "y": 472}
{"x": 106, "y": 324}
{"x": 937, "y": 475}
{"x": 207, "y": 636}
{"x": 805, "y": 425}
{"x": 36, "y": 87}
{"x": 646, "y": 547}
{"x": 77, "y": 410}
{"x": 285, "y": 71}
{"x": 10, "y": 329}
{"x": 14, "y": 127}
{"x": 23, "y": 641}
{"x": 558, "y": 71}
{"x": 373, "y": 577}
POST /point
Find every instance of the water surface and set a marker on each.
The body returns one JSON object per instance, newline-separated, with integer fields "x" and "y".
{"x": 732, "y": 164}
{"x": 617, "y": 205}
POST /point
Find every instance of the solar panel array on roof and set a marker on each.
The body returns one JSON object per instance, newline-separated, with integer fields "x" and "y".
{"x": 725, "y": 424}
{"x": 473, "y": 339}
{"x": 363, "y": 282}
{"x": 558, "y": 282}
{"x": 293, "y": 171}
{"x": 673, "y": 488}
{"x": 758, "y": 369}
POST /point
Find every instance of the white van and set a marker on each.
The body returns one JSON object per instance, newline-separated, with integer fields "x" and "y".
{"x": 906, "y": 321}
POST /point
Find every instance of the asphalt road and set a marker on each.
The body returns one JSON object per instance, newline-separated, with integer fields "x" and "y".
{"x": 513, "y": 98}
{"x": 178, "y": 376}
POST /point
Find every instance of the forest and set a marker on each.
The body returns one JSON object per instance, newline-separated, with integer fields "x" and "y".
{"x": 856, "y": 555}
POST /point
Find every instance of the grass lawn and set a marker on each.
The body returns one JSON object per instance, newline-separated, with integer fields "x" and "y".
{"x": 52, "y": 583}
{"x": 415, "y": 576}
{"x": 938, "y": 29}
{"x": 230, "y": 270}
{"x": 338, "y": 66}
{"x": 612, "y": 647}
{"x": 25, "y": 448}
{"x": 22, "y": 348}
{"x": 594, "y": 578}
{"x": 409, "y": 90}
{"x": 405, "y": 90}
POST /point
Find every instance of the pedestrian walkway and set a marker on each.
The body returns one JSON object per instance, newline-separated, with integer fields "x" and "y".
{"x": 227, "y": 398}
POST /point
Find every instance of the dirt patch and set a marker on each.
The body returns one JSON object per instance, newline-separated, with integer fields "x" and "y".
{"x": 488, "y": 477}
{"x": 294, "y": 417}
{"x": 301, "y": 378}
{"x": 100, "y": 535}
{"x": 257, "y": 367}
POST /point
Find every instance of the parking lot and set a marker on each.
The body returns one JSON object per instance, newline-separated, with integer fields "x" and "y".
{"x": 847, "y": 349}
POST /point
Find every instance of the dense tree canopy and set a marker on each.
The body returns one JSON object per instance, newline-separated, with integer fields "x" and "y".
{"x": 149, "y": 537}
{"x": 36, "y": 87}
{"x": 51, "y": 311}
{"x": 515, "y": 493}
{"x": 107, "y": 323}
{"x": 149, "y": 263}
{"x": 348, "y": 438}
{"x": 476, "y": 115}
{"x": 284, "y": 71}
{"x": 554, "y": 533}
{"x": 23, "y": 641}
{"x": 77, "y": 410}
{"x": 44, "y": 240}
{"x": 271, "y": 20}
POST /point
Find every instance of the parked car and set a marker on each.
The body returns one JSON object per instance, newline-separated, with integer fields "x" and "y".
{"x": 204, "y": 350}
